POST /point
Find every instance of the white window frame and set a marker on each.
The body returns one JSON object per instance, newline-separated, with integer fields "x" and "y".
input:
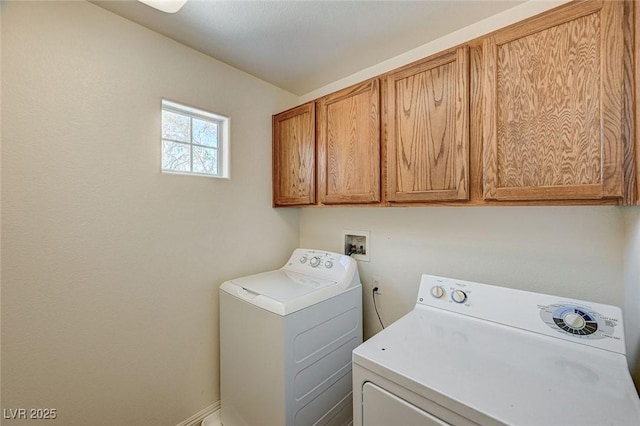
{"x": 223, "y": 125}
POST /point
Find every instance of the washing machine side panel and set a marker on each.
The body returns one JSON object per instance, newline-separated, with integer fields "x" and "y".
{"x": 320, "y": 340}
{"x": 252, "y": 377}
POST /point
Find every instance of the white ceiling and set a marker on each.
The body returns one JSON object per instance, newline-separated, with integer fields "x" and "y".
{"x": 303, "y": 45}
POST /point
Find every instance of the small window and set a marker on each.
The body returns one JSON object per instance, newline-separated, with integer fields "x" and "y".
{"x": 194, "y": 141}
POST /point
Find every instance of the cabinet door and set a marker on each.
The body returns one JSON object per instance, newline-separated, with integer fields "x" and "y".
{"x": 426, "y": 123}
{"x": 348, "y": 124}
{"x": 294, "y": 156}
{"x": 552, "y": 101}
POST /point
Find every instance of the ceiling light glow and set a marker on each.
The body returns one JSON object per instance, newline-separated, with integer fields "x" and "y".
{"x": 168, "y": 6}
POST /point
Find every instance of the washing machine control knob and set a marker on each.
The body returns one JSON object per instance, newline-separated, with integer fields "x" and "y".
{"x": 437, "y": 291}
{"x": 303, "y": 259}
{"x": 314, "y": 262}
{"x": 459, "y": 296}
{"x": 328, "y": 264}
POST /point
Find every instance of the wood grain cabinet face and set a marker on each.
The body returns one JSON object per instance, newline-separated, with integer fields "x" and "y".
{"x": 348, "y": 129}
{"x": 552, "y": 106}
{"x": 426, "y": 127}
{"x": 294, "y": 156}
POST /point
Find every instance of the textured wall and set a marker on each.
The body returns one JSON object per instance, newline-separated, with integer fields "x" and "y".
{"x": 632, "y": 289}
{"x": 568, "y": 251}
{"x": 110, "y": 268}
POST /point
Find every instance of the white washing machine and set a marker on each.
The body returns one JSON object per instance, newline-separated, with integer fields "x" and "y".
{"x": 474, "y": 354}
{"x": 286, "y": 338}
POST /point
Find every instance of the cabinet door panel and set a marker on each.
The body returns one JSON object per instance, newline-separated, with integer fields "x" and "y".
{"x": 427, "y": 130}
{"x": 348, "y": 124}
{"x": 552, "y": 99}
{"x": 294, "y": 156}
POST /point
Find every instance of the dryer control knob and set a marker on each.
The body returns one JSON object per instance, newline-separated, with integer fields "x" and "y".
{"x": 303, "y": 259}
{"x": 575, "y": 321}
{"x": 437, "y": 291}
{"x": 459, "y": 296}
{"x": 314, "y": 262}
{"x": 328, "y": 264}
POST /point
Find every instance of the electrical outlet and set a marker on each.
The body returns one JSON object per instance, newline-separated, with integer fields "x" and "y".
{"x": 377, "y": 282}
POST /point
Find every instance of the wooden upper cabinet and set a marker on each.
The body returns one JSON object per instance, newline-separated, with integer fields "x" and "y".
{"x": 552, "y": 106}
{"x": 348, "y": 132}
{"x": 294, "y": 156}
{"x": 426, "y": 128}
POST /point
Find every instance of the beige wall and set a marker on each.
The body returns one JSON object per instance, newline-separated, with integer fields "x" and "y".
{"x": 568, "y": 251}
{"x": 1, "y": 8}
{"x": 110, "y": 268}
{"x": 632, "y": 289}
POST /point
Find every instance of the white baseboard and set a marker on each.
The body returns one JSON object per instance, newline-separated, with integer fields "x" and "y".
{"x": 198, "y": 417}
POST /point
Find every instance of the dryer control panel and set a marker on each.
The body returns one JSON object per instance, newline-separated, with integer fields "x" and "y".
{"x": 578, "y": 320}
{"x": 592, "y": 324}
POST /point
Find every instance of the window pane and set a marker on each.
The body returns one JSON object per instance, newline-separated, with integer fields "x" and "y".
{"x": 193, "y": 141}
{"x": 176, "y": 126}
{"x": 176, "y": 156}
{"x": 205, "y": 133}
{"x": 205, "y": 160}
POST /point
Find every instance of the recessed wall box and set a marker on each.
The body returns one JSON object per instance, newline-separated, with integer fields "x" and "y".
{"x": 356, "y": 244}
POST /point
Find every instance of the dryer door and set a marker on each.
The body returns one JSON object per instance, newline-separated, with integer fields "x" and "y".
{"x": 381, "y": 408}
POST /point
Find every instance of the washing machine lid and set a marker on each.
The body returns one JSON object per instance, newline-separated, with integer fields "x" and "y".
{"x": 281, "y": 291}
{"x": 282, "y": 285}
{"x": 495, "y": 374}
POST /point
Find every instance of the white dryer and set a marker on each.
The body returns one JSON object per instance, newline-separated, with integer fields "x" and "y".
{"x": 286, "y": 338}
{"x": 474, "y": 354}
